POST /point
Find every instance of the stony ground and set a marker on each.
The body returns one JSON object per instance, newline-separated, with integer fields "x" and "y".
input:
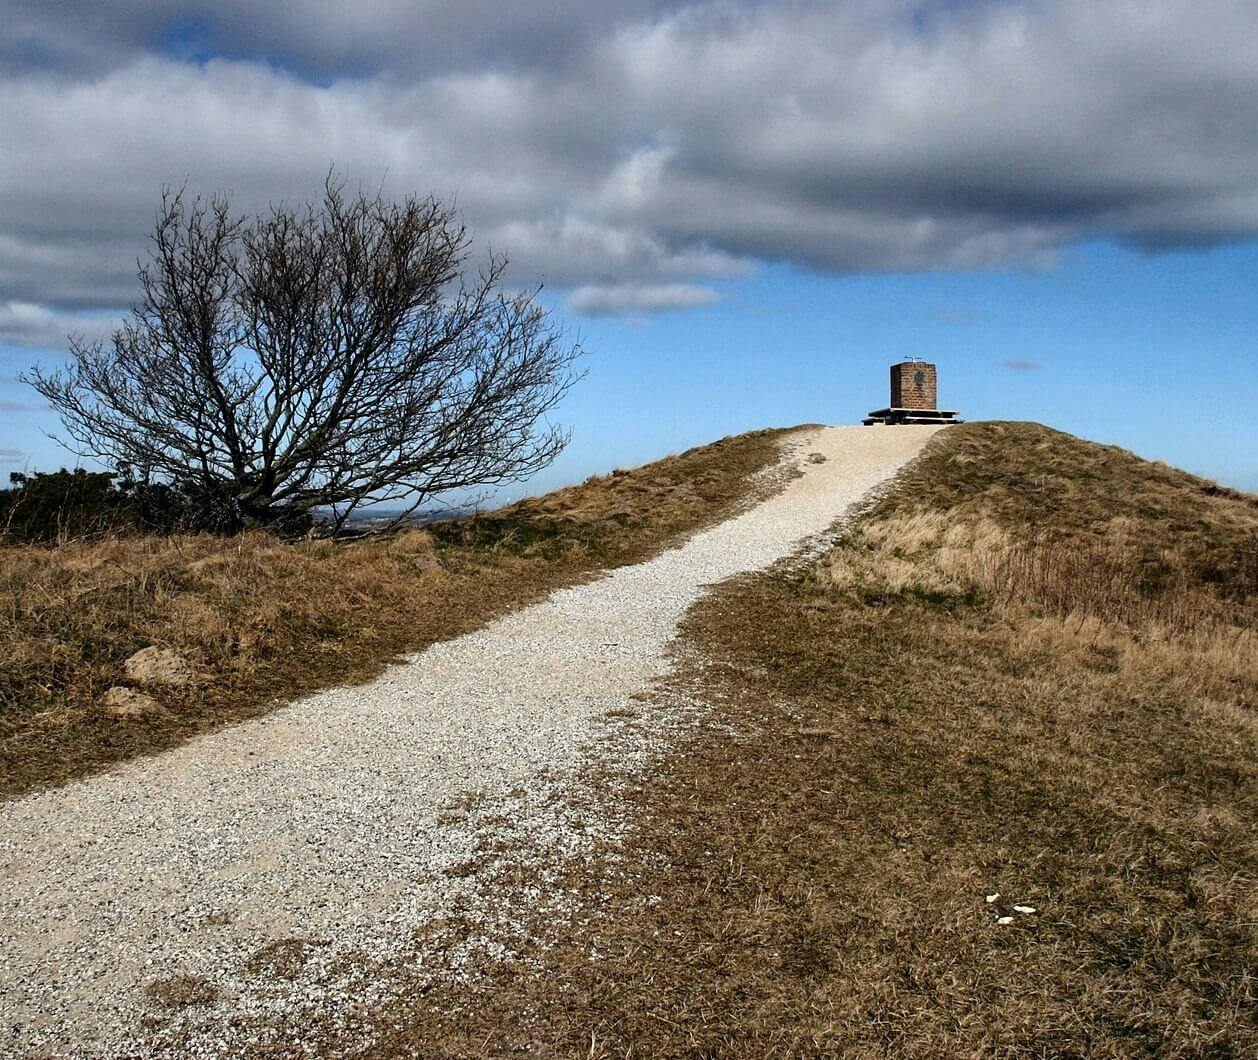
{"x": 202, "y": 900}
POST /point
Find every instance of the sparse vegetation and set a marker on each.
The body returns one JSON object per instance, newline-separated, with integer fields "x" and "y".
{"x": 283, "y": 958}
{"x": 181, "y": 991}
{"x": 262, "y": 621}
{"x": 1029, "y": 671}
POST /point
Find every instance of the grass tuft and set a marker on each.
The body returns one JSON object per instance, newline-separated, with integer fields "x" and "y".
{"x": 181, "y": 991}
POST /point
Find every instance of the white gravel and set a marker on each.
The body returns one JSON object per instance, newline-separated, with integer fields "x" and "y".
{"x": 340, "y": 817}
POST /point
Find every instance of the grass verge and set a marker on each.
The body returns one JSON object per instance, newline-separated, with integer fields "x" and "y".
{"x": 1030, "y": 672}
{"x": 262, "y": 621}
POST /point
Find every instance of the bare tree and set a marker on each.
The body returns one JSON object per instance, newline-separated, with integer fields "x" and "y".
{"x": 317, "y": 356}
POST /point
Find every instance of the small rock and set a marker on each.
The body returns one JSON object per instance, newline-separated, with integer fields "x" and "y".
{"x": 425, "y": 561}
{"x": 123, "y": 702}
{"x": 1024, "y": 909}
{"x": 158, "y": 666}
{"x": 816, "y": 458}
{"x": 992, "y": 898}
{"x": 1005, "y": 920}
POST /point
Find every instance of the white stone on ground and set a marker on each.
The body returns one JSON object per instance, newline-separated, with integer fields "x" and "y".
{"x": 331, "y": 818}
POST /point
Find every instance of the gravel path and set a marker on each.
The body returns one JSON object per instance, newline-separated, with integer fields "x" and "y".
{"x": 345, "y": 817}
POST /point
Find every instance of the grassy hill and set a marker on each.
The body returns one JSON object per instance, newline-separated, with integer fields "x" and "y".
{"x": 262, "y": 621}
{"x": 980, "y": 780}
{"x": 1029, "y": 671}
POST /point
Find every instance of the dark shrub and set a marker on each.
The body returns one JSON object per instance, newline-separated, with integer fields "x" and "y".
{"x": 56, "y": 505}
{"x": 49, "y": 506}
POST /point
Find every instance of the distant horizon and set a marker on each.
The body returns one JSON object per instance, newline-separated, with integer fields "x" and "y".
{"x": 547, "y": 481}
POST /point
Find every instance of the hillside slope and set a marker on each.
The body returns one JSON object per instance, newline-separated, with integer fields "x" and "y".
{"x": 262, "y": 621}
{"x": 300, "y": 865}
{"x": 980, "y": 781}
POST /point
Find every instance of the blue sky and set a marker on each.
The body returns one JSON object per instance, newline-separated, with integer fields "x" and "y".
{"x": 747, "y": 208}
{"x": 1153, "y": 352}
{"x": 1156, "y": 353}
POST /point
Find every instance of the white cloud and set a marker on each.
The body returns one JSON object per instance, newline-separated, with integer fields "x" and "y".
{"x": 25, "y": 324}
{"x": 639, "y": 298}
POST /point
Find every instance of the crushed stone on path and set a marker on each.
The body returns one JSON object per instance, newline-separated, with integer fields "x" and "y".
{"x": 346, "y": 818}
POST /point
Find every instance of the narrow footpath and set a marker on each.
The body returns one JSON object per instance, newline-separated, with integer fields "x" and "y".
{"x": 346, "y": 818}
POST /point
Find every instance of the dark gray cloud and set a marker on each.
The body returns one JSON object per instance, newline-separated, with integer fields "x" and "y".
{"x": 405, "y": 39}
{"x": 1020, "y": 364}
{"x": 630, "y": 150}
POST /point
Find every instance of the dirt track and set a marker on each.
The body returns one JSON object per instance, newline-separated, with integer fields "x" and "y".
{"x": 346, "y": 818}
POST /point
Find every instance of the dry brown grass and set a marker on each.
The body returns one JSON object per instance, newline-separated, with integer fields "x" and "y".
{"x": 951, "y": 705}
{"x": 264, "y": 621}
{"x": 1139, "y": 560}
{"x": 181, "y": 991}
{"x": 282, "y": 959}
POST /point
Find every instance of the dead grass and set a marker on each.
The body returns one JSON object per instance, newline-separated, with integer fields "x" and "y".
{"x": 264, "y": 621}
{"x": 181, "y": 991}
{"x": 282, "y": 959}
{"x": 1026, "y": 673}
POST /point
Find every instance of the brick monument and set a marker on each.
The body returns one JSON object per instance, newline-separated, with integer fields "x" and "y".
{"x": 914, "y": 398}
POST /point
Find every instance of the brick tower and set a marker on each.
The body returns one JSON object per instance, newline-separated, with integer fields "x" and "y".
{"x": 913, "y": 385}
{"x": 914, "y": 396}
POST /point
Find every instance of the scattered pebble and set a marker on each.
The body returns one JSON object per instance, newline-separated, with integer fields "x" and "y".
{"x": 992, "y": 898}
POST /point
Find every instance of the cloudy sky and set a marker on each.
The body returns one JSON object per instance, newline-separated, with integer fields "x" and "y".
{"x": 748, "y": 209}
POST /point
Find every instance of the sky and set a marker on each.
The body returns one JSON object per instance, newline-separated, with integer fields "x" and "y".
{"x": 745, "y": 209}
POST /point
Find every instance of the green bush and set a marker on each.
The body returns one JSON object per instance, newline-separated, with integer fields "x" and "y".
{"x": 57, "y": 505}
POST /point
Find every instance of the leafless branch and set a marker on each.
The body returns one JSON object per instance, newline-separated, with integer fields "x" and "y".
{"x": 331, "y": 354}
